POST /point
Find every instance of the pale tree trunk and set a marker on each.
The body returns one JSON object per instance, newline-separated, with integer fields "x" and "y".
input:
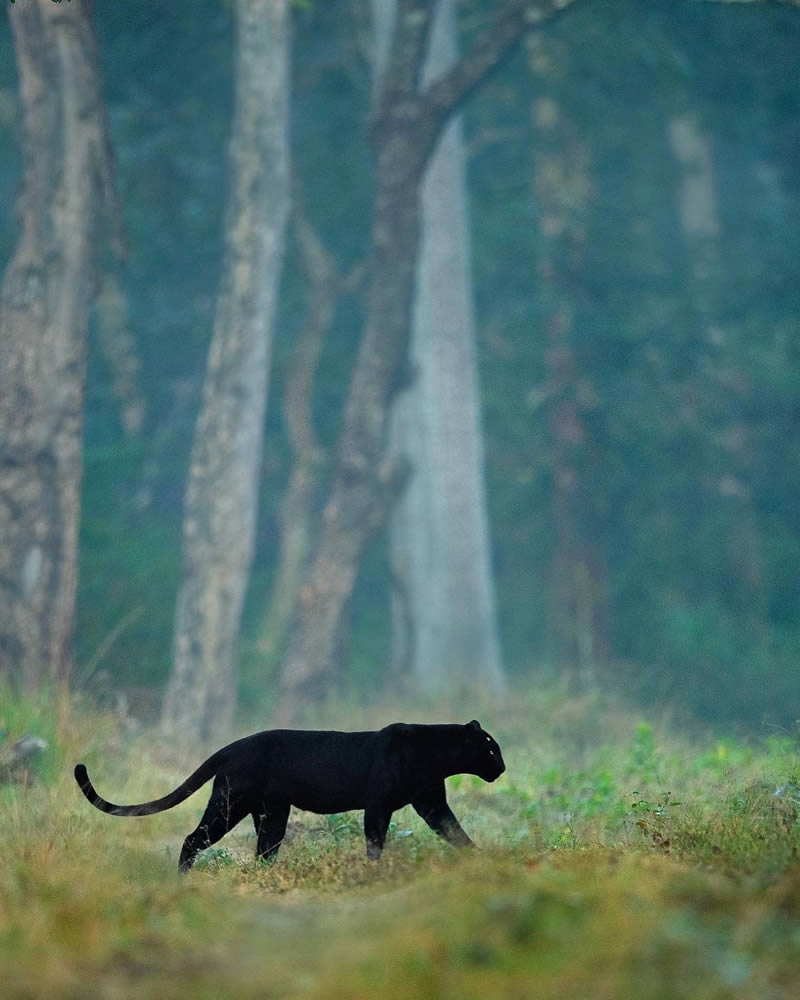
{"x": 578, "y": 591}
{"x": 444, "y": 622}
{"x": 222, "y": 491}
{"x": 406, "y": 124}
{"x": 67, "y": 189}
{"x": 692, "y": 149}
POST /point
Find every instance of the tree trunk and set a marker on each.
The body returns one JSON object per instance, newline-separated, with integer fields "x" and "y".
{"x": 118, "y": 344}
{"x": 307, "y": 455}
{"x": 222, "y": 491}
{"x": 444, "y": 623}
{"x": 578, "y": 585}
{"x": 405, "y": 125}
{"x": 67, "y": 188}
{"x": 364, "y": 483}
{"x": 732, "y": 453}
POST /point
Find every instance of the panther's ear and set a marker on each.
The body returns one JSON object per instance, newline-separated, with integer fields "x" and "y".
{"x": 474, "y": 725}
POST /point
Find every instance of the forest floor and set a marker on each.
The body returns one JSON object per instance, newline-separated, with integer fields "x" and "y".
{"x": 619, "y": 859}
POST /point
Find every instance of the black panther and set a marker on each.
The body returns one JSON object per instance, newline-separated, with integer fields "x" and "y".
{"x": 379, "y": 771}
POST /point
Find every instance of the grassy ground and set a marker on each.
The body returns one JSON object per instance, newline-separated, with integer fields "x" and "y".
{"x": 618, "y": 860}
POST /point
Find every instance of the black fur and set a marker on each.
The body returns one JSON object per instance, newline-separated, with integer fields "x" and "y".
{"x": 264, "y": 775}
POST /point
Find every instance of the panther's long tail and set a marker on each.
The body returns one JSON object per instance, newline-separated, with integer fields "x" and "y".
{"x": 195, "y": 780}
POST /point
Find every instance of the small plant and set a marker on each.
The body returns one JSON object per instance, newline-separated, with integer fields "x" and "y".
{"x": 650, "y": 816}
{"x": 655, "y": 807}
{"x": 215, "y": 857}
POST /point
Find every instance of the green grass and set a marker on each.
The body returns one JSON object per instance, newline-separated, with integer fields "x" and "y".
{"x": 617, "y": 860}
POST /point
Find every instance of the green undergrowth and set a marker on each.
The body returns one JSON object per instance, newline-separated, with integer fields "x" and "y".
{"x": 618, "y": 858}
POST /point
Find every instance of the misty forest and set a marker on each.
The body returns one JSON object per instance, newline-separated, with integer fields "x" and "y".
{"x": 366, "y": 361}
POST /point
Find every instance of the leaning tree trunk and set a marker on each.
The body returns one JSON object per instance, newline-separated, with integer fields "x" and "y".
{"x": 444, "y": 621}
{"x": 307, "y": 456}
{"x": 67, "y": 188}
{"x": 405, "y": 125}
{"x": 222, "y": 492}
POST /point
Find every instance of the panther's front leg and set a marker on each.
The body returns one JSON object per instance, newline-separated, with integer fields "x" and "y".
{"x": 433, "y": 808}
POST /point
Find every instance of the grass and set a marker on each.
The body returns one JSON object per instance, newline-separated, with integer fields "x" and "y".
{"x": 617, "y": 860}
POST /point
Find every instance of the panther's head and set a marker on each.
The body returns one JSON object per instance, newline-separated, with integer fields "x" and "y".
{"x": 483, "y": 753}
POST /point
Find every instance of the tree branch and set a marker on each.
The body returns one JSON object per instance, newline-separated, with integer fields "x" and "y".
{"x": 412, "y": 25}
{"x": 455, "y": 86}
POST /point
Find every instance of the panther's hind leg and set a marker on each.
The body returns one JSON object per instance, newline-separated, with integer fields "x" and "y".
{"x": 222, "y": 814}
{"x": 376, "y": 823}
{"x": 270, "y": 822}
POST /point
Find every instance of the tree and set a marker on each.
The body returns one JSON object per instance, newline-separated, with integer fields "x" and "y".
{"x": 563, "y": 189}
{"x": 307, "y": 456}
{"x": 67, "y": 193}
{"x": 444, "y": 622}
{"x": 406, "y": 123}
{"x": 728, "y": 446}
{"x": 118, "y": 343}
{"x": 222, "y": 491}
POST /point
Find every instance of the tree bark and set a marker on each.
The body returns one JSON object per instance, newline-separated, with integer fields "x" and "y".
{"x": 406, "y": 124}
{"x": 66, "y": 192}
{"x": 222, "y": 491}
{"x": 444, "y": 621}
